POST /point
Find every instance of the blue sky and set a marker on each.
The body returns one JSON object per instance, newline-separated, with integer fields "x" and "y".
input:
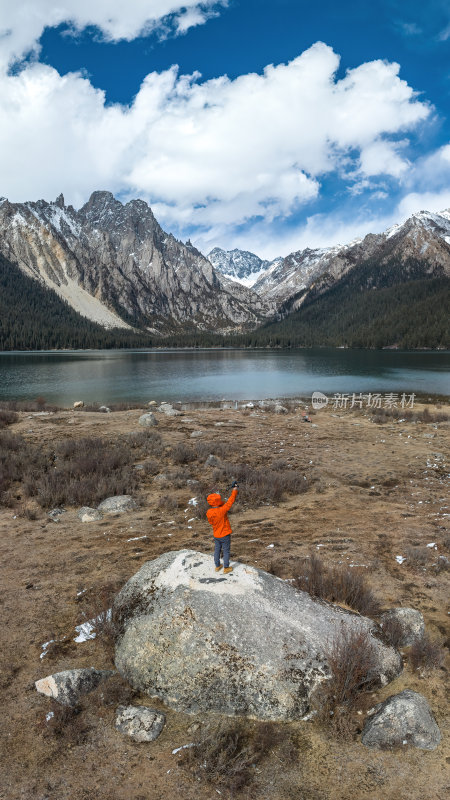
{"x": 269, "y": 126}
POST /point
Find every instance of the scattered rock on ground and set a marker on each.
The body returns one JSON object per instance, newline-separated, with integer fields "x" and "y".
{"x": 162, "y": 478}
{"x": 409, "y": 620}
{"x": 56, "y": 513}
{"x": 67, "y": 687}
{"x": 105, "y": 409}
{"x": 404, "y": 718}
{"x": 142, "y": 724}
{"x": 115, "y": 505}
{"x": 279, "y": 409}
{"x": 263, "y": 644}
{"x": 212, "y": 461}
{"x": 148, "y": 420}
{"x": 79, "y": 404}
{"x": 86, "y": 514}
{"x": 169, "y": 410}
{"x": 152, "y": 403}
{"x": 196, "y": 434}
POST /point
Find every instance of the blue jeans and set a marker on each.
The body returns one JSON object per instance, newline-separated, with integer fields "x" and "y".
{"x": 222, "y": 544}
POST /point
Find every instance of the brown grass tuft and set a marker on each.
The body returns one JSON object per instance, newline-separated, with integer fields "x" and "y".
{"x": 426, "y": 654}
{"x": 338, "y": 584}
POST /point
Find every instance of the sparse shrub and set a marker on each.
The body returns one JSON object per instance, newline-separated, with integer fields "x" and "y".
{"x": 148, "y": 442}
{"x": 352, "y": 661}
{"x": 178, "y": 477}
{"x": 96, "y": 604}
{"x": 386, "y": 414}
{"x": 204, "y": 449}
{"x": 426, "y": 654}
{"x": 84, "y": 472}
{"x": 151, "y": 467}
{"x": 338, "y": 584}
{"x": 417, "y": 556}
{"x": 442, "y": 565}
{"x": 182, "y": 454}
{"x": 391, "y": 632}
{"x": 113, "y": 692}
{"x": 66, "y": 724}
{"x": 27, "y": 405}
{"x": 17, "y": 459}
{"x": 8, "y": 418}
{"x": 258, "y": 487}
{"x": 279, "y": 464}
{"x": 225, "y": 755}
{"x": 168, "y": 503}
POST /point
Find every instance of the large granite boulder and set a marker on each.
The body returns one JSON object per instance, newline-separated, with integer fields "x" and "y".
{"x": 68, "y": 686}
{"x": 244, "y": 643}
{"x": 404, "y": 718}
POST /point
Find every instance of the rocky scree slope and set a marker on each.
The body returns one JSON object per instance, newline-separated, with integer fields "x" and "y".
{"x": 114, "y": 264}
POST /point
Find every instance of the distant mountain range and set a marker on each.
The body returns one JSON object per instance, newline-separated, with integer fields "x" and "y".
{"x": 114, "y": 267}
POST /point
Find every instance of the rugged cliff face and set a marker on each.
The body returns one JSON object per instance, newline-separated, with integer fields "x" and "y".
{"x": 115, "y": 265}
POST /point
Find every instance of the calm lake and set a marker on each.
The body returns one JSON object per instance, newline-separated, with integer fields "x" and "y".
{"x": 109, "y": 376}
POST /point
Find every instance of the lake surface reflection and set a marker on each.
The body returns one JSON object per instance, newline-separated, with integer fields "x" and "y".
{"x": 109, "y": 376}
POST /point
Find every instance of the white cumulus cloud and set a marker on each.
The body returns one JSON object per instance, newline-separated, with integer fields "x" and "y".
{"x": 206, "y": 153}
{"x": 22, "y": 22}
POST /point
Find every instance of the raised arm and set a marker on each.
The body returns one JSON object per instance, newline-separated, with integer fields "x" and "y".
{"x": 229, "y": 502}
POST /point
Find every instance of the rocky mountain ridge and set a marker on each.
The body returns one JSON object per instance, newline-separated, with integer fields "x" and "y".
{"x": 115, "y": 265}
{"x": 423, "y": 238}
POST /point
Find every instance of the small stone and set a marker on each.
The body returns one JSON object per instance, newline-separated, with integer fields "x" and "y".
{"x": 196, "y": 434}
{"x": 162, "y": 478}
{"x": 68, "y": 686}
{"x": 142, "y": 724}
{"x": 105, "y": 409}
{"x": 279, "y": 409}
{"x": 55, "y": 513}
{"x": 148, "y": 420}
{"x": 79, "y": 404}
{"x": 212, "y": 461}
{"x": 118, "y": 504}
{"x": 152, "y": 403}
{"x": 86, "y": 514}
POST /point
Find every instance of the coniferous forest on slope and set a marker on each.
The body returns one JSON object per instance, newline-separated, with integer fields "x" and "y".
{"x": 353, "y": 313}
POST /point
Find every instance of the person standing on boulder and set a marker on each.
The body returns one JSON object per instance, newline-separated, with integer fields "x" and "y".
{"x": 217, "y": 517}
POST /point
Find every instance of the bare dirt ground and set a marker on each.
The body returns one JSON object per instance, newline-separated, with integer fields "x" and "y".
{"x": 374, "y": 491}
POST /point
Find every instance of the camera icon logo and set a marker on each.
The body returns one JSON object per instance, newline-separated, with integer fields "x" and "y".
{"x": 319, "y": 400}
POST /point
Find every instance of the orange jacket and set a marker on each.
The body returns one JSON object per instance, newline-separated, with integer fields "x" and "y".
{"x": 217, "y": 515}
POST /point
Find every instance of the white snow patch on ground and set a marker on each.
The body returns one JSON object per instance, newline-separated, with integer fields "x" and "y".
{"x": 193, "y": 501}
{"x": 87, "y": 630}
{"x": 135, "y": 538}
{"x": 183, "y": 747}
{"x": 400, "y": 559}
{"x": 45, "y": 647}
